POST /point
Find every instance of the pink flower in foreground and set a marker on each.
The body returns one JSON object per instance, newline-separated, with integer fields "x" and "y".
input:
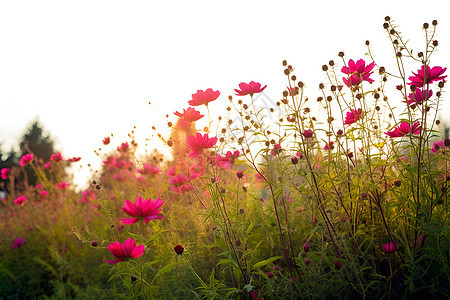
{"x": 249, "y": 88}
{"x": 357, "y": 72}
{"x": 199, "y": 142}
{"x": 190, "y": 114}
{"x": 389, "y": 248}
{"x": 5, "y": 173}
{"x": 430, "y": 75}
{"x": 21, "y": 199}
{"x": 437, "y": 145}
{"x": 352, "y": 116}
{"x": 26, "y": 159}
{"x": 142, "y": 210}
{"x": 57, "y": 157}
{"x": 126, "y": 250}
{"x": 204, "y": 97}
{"x": 418, "y": 96}
{"x": 18, "y": 242}
{"x": 403, "y": 129}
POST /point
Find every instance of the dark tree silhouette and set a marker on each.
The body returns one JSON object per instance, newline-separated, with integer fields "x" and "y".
{"x": 36, "y": 142}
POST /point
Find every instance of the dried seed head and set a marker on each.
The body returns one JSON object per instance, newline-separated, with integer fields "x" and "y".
{"x": 387, "y": 18}
{"x": 284, "y": 63}
{"x": 331, "y": 63}
{"x": 341, "y": 54}
{"x": 385, "y": 25}
{"x": 325, "y": 68}
{"x": 435, "y": 43}
{"x": 425, "y": 25}
{"x": 434, "y": 22}
{"x": 367, "y": 43}
{"x": 300, "y": 84}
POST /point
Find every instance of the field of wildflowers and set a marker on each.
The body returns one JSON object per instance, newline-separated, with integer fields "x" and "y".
{"x": 340, "y": 197}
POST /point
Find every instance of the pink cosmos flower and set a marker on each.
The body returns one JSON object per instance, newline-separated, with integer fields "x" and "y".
{"x": 126, "y": 250}
{"x": 403, "y": 129}
{"x": 48, "y": 165}
{"x": 249, "y": 88}
{"x": 18, "y": 242}
{"x": 142, "y": 210}
{"x": 106, "y": 140}
{"x": 88, "y": 196}
{"x": 26, "y": 159}
{"x": 418, "y": 97}
{"x": 74, "y": 159}
{"x": 44, "y": 194}
{"x": 437, "y": 145}
{"x": 21, "y": 199}
{"x": 389, "y": 248}
{"x": 199, "y": 142}
{"x": 5, "y": 173}
{"x": 57, "y": 157}
{"x": 148, "y": 169}
{"x": 203, "y": 97}
{"x": 307, "y": 133}
{"x": 357, "y": 72}
{"x": 180, "y": 183}
{"x": 276, "y": 149}
{"x": 190, "y": 114}
{"x": 62, "y": 185}
{"x": 430, "y": 75}
{"x": 352, "y": 116}
{"x": 328, "y": 146}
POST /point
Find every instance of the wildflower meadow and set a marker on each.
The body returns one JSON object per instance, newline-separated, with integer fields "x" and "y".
{"x": 344, "y": 196}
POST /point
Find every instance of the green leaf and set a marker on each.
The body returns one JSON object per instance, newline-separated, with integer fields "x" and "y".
{"x": 166, "y": 269}
{"x": 265, "y": 262}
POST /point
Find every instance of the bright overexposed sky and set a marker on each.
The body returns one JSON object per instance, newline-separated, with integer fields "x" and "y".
{"x": 86, "y": 69}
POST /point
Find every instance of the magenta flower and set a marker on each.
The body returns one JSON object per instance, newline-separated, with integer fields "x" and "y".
{"x": 142, "y": 210}
{"x": 430, "y": 75}
{"x": 403, "y": 129}
{"x": 418, "y": 96}
{"x": 389, "y": 248}
{"x": 357, "y": 72}
{"x": 204, "y": 97}
{"x": 199, "y": 142}
{"x": 352, "y": 116}
{"x": 180, "y": 183}
{"x": 21, "y": 199}
{"x": 74, "y": 159}
{"x": 4, "y": 173}
{"x": 62, "y": 185}
{"x": 126, "y": 250}
{"x": 307, "y": 133}
{"x": 328, "y": 146}
{"x": 26, "y": 159}
{"x": 44, "y": 194}
{"x": 437, "y": 145}
{"x": 18, "y": 242}
{"x": 249, "y": 88}
{"x": 276, "y": 149}
{"x": 57, "y": 157}
{"x": 148, "y": 169}
{"x": 190, "y": 114}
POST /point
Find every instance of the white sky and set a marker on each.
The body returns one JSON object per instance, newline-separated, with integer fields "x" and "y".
{"x": 89, "y": 68}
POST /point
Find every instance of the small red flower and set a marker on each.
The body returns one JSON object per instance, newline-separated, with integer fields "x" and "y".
{"x": 74, "y": 159}
{"x": 190, "y": 114}
{"x": 203, "y": 97}
{"x": 352, "y": 116}
{"x": 18, "y": 242}
{"x": 249, "y": 88}
{"x": 307, "y": 133}
{"x": 106, "y": 140}
{"x": 389, "y": 248}
{"x": 437, "y": 145}
{"x": 199, "y": 142}
{"x": 5, "y": 173}
{"x": 21, "y": 199}
{"x": 178, "y": 249}
{"x": 126, "y": 250}
{"x": 57, "y": 157}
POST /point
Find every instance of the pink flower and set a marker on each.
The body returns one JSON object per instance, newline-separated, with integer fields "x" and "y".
{"x": 126, "y": 250}
{"x": 44, "y": 194}
{"x": 190, "y": 114}
{"x": 276, "y": 149}
{"x": 430, "y": 75}
{"x": 328, "y": 146}
{"x": 48, "y": 165}
{"x": 142, "y": 210}
{"x": 21, "y": 199}
{"x": 203, "y": 97}
{"x": 307, "y": 133}
{"x": 180, "y": 183}
{"x": 148, "y": 169}
{"x": 26, "y": 159}
{"x": 18, "y": 242}
{"x": 249, "y": 88}
{"x": 418, "y": 96}
{"x": 357, "y": 72}
{"x": 74, "y": 159}
{"x": 62, "y": 185}
{"x": 389, "y": 248}
{"x": 178, "y": 249}
{"x": 352, "y": 116}
{"x": 57, "y": 157}
{"x": 199, "y": 142}
{"x": 403, "y": 129}
{"x": 5, "y": 173}
{"x": 106, "y": 140}
{"x": 88, "y": 196}
{"x": 437, "y": 145}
